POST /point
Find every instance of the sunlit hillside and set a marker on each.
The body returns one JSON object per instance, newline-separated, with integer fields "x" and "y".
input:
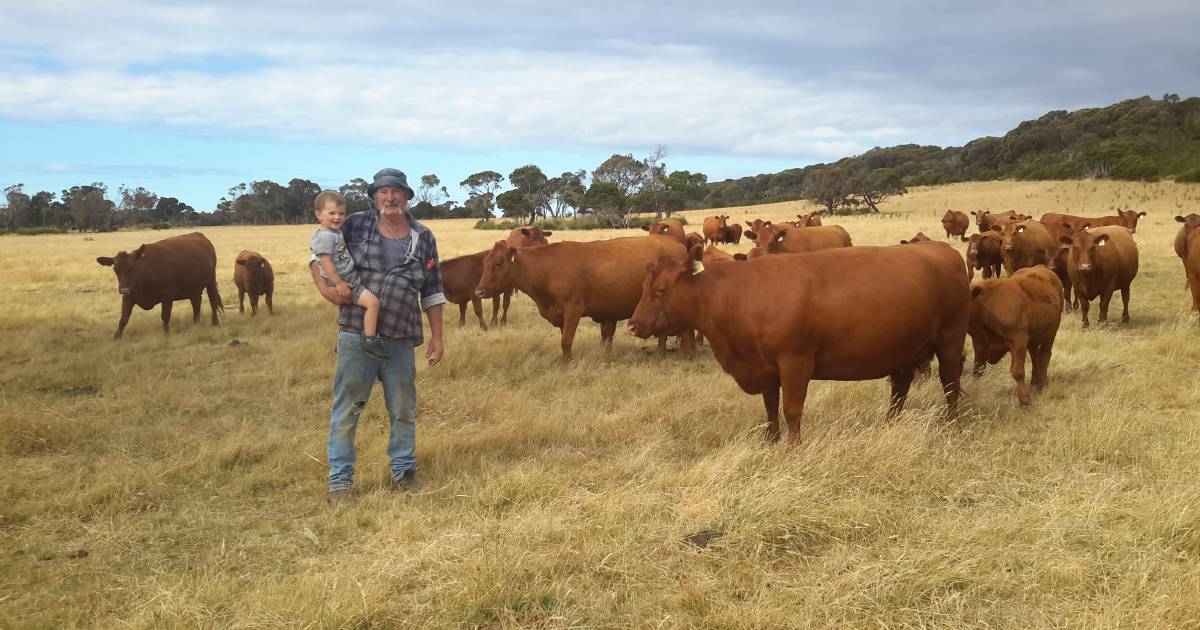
{"x": 180, "y": 481}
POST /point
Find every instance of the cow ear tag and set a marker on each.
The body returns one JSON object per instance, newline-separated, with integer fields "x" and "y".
{"x": 697, "y": 267}
{"x": 1102, "y": 243}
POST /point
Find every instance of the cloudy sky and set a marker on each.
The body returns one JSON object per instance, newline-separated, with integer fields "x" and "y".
{"x": 190, "y": 99}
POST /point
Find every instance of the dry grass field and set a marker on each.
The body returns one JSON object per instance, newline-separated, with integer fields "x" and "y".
{"x": 179, "y": 481}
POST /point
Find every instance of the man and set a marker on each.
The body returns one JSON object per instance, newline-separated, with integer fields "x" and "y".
{"x": 396, "y": 257}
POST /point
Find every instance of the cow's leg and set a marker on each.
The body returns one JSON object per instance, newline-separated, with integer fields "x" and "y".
{"x": 1105, "y": 298}
{"x": 253, "y": 304}
{"x": 1040, "y": 354}
{"x": 166, "y": 315}
{"x": 195, "y": 299}
{"x": 495, "y": 310}
{"x": 477, "y": 306}
{"x": 1084, "y": 307}
{"x": 608, "y": 329}
{"x": 570, "y": 323}
{"x": 687, "y": 344}
{"x": 771, "y": 403}
{"x": 1017, "y": 348}
{"x": 504, "y": 316}
{"x": 214, "y": 301}
{"x": 794, "y": 375}
{"x": 1125, "y": 304}
{"x": 901, "y": 381}
{"x": 950, "y": 367}
{"x": 241, "y": 300}
{"x": 980, "y": 360}
{"x": 662, "y": 344}
{"x": 700, "y": 336}
{"x": 462, "y": 314}
{"x": 270, "y": 307}
{"x": 126, "y": 310}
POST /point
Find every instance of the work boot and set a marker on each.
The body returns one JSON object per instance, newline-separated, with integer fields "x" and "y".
{"x": 407, "y": 482}
{"x": 339, "y": 498}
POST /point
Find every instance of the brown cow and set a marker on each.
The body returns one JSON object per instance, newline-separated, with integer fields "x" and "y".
{"x": 919, "y": 238}
{"x": 1124, "y": 218}
{"x": 732, "y": 234}
{"x": 786, "y": 239}
{"x": 529, "y": 236}
{"x": 955, "y": 223}
{"x": 1059, "y": 263}
{"x": 1026, "y": 243}
{"x": 756, "y": 226}
{"x": 985, "y": 219}
{"x": 811, "y": 219}
{"x": 252, "y": 275}
{"x": 177, "y": 268}
{"x": 714, "y": 228}
{"x": 571, "y": 280}
{"x": 669, "y": 227}
{"x": 828, "y": 315}
{"x": 984, "y": 252}
{"x": 460, "y": 276}
{"x": 693, "y": 238}
{"x": 1015, "y": 315}
{"x": 1187, "y": 246}
{"x": 1101, "y": 260}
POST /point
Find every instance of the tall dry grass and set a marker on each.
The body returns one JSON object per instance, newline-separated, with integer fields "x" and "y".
{"x": 191, "y": 472}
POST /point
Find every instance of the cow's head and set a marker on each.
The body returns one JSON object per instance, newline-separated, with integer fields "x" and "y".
{"x": 252, "y": 262}
{"x": 755, "y": 226}
{"x": 919, "y": 238}
{"x": 653, "y": 314}
{"x": 528, "y": 236}
{"x": 1011, "y": 233}
{"x": 499, "y": 270}
{"x": 123, "y": 265}
{"x": 1190, "y": 222}
{"x": 1083, "y": 246}
{"x": 1129, "y": 218}
{"x": 693, "y": 238}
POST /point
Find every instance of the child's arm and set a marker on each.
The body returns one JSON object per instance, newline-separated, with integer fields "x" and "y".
{"x": 343, "y": 289}
{"x": 327, "y": 292}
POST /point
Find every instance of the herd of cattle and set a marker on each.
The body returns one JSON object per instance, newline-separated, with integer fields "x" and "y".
{"x": 804, "y": 303}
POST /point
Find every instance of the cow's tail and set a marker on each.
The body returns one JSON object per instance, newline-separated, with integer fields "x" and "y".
{"x": 214, "y": 300}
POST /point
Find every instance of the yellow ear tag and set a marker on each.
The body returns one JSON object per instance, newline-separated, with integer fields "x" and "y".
{"x": 697, "y": 267}
{"x": 1101, "y": 243}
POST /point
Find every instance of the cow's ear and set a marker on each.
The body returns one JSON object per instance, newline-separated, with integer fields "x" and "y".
{"x": 904, "y": 242}
{"x": 1020, "y": 229}
{"x": 104, "y": 260}
{"x": 739, "y": 256}
{"x": 525, "y": 231}
{"x": 997, "y": 228}
{"x": 646, "y": 228}
{"x": 546, "y": 233}
{"x": 239, "y": 262}
{"x": 965, "y": 239}
{"x": 750, "y": 235}
{"x": 1141, "y": 214}
{"x": 1180, "y": 218}
{"x": 1086, "y": 226}
{"x": 696, "y": 252}
{"x": 780, "y": 235}
{"x": 511, "y": 254}
{"x": 137, "y": 253}
{"x": 976, "y": 291}
{"x": 1065, "y": 240}
{"x": 1101, "y": 240}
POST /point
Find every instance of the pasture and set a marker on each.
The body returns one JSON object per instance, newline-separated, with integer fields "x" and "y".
{"x": 179, "y": 481}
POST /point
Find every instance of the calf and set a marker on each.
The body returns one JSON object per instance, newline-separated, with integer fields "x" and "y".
{"x": 570, "y": 280}
{"x": 177, "y": 268}
{"x": 984, "y": 252}
{"x": 1187, "y": 246}
{"x": 1100, "y": 261}
{"x": 826, "y": 315}
{"x": 955, "y": 223}
{"x": 252, "y": 275}
{"x": 670, "y": 227}
{"x": 460, "y": 276}
{"x": 1014, "y": 315}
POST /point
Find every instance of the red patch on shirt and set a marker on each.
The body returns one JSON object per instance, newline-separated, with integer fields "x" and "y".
{"x": 431, "y": 264}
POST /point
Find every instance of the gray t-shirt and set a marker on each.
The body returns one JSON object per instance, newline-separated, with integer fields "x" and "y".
{"x": 331, "y": 242}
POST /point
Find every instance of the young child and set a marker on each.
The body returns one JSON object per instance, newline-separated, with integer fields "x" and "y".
{"x": 337, "y": 267}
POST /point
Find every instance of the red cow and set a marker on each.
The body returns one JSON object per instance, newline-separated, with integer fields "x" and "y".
{"x": 1187, "y": 245}
{"x": 252, "y": 275}
{"x": 955, "y": 223}
{"x": 984, "y": 252}
{"x": 714, "y": 228}
{"x": 919, "y": 238}
{"x": 1014, "y": 316}
{"x": 669, "y": 227}
{"x": 786, "y": 239}
{"x": 460, "y": 276}
{"x": 1100, "y": 261}
{"x": 811, "y": 219}
{"x": 176, "y": 268}
{"x": 732, "y": 234}
{"x": 1124, "y": 218}
{"x": 985, "y": 219}
{"x": 571, "y": 280}
{"x": 1026, "y": 243}
{"x": 826, "y": 315}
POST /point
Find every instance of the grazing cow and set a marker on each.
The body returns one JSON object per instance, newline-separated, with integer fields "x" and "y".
{"x": 733, "y": 234}
{"x": 985, "y": 219}
{"x": 811, "y": 219}
{"x": 826, "y": 315}
{"x": 1125, "y": 218}
{"x": 714, "y": 228}
{"x": 1100, "y": 261}
{"x": 1187, "y": 246}
{"x": 669, "y": 227}
{"x": 786, "y": 239}
{"x": 176, "y": 268}
{"x": 252, "y": 275}
{"x": 1026, "y": 243}
{"x": 460, "y": 276}
{"x": 955, "y": 223}
{"x": 571, "y": 280}
{"x": 984, "y": 252}
{"x": 1015, "y": 315}
{"x": 919, "y": 238}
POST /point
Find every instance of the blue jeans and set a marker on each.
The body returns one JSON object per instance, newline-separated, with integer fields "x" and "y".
{"x": 356, "y": 373}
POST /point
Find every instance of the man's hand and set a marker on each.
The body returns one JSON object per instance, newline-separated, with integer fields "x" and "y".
{"x": 343, "y": 291}
{"x": 435, "y": 351}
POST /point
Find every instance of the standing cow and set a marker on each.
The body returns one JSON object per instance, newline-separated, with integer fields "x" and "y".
{"x": 983, "y": 252}
{"x": 825, "y": 315}
{"x": 1026, "y": 243}
{"x": 1013, "y": 316}
{"x": 253, "y": 276}
{"x": 1187, "y": 246}
{"x": 1100, "y": 261}
{"x": 176, "y": 268}
{"x": 714, "y": 228}
{"x": 955, "y": 223}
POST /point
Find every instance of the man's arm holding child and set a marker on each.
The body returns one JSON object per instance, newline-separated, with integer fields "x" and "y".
{"x": 327, "y": 292}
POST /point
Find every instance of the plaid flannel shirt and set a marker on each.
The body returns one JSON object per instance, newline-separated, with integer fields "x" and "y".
{"x": 405, "y": 290}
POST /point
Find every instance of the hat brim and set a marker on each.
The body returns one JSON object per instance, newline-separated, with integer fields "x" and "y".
{"x": 372, "y": 189}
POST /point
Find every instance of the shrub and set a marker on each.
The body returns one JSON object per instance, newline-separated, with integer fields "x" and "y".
{"x": 1190, "y": 177}
{"x": 34, "y": 231}
{"x": 578, "y": 223}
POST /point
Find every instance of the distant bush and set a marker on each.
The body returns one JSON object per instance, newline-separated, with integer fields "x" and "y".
{"x": 34, "y": 231}
{"x": 1190, "y": 177}
{"x": 579, "y": 223}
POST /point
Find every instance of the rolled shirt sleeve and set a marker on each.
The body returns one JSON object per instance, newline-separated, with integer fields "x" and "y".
{"x": 432, "y": 293}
